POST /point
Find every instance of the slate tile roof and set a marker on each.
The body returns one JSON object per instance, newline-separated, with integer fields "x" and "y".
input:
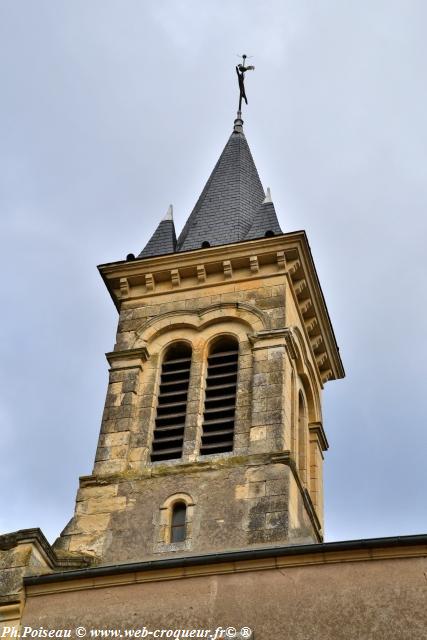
{"x": 162, "y": 241}
{"x": 230, "y": 208}
{"x": 265, "y": 222}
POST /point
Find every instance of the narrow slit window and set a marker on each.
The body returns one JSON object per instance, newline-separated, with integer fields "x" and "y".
{"x": 179, "y": 522}
{"x": 220, "y": 398}
{"x": 168, "y": 437}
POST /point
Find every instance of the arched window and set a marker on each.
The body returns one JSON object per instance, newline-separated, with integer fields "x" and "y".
{"x": 168, "y": 437}
{"x": 178, "y": 522}
{"x": 220, "y": 398}
{"x": 302, "y": 438}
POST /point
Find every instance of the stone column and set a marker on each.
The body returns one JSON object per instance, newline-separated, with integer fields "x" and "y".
{"x": 268, "y": 392}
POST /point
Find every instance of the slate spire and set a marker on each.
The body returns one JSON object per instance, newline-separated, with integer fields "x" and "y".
{"x": 265, "y": 222}
{"x": 230, "y": 199}
{"x": 232, "y": 206}
{"x": 163, "y": 239}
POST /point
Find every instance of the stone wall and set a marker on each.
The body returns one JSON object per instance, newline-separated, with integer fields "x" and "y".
{"x": 255, "y": 300}
{"x": 350, "y": 595}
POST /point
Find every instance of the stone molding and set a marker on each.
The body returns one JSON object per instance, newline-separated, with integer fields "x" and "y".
{"x": 286, "y": 256}
{"x": 127, "y": 359}
{"x": 257, "y": 559}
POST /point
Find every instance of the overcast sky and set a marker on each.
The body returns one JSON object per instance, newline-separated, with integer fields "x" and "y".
{"x": 112, "y": 109}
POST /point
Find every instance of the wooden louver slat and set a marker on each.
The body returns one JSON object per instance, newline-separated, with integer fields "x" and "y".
{"x": 168, "y": 437}
{"x": 220, "y": 398}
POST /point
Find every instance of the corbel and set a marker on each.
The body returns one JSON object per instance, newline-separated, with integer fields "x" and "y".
{"x": 305, "y": 305}
{"x": 316, "y": 342}
{"x": 326, "y": 375}
{"x": 294, "y": 266}
{"x": 281, "y": 260}
{"x": 124, "y": 288}
{"x": 228, "y": 269}
{"x": 254, "y": 264}
{"x": 175, "y": 278}
{"x": 321, "y": 359}
{"x": 300, "y": 285}
{"x": 201, "y": 273}
{"x": 150, "y": 283}
{"x": 311, "y": 324}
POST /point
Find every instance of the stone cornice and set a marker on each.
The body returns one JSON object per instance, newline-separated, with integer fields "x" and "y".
{"x": 233, "y": 561}
{"x": 317, "y": 429}
{"x": 287, "y": 255}
{"x": 29, "y": 536}
{"x": 127, "y": 359}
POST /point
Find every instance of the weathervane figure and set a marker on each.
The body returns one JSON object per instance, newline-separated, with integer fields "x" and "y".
{"x": 241, "y": 70}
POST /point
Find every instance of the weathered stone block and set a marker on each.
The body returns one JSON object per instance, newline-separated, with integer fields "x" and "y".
{"x": 97, "y": 491}
{"x": 91, "y": 523}
{"x": 256, "y": 489}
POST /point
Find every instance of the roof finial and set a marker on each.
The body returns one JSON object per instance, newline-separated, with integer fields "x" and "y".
{"x": 169, "y": 213}
{"x": 241, "y": 70}
{"x": 267, "y": 198}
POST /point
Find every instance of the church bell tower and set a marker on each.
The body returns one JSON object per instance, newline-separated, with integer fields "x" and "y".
{"x": 212, "y": 436}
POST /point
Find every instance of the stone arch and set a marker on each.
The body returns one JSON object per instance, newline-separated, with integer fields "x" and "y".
{"x": 302, "y": 436}
{"x": 254, "y": 319}
{"x": 307, "y": 376}
{"x": 166, "y": 511}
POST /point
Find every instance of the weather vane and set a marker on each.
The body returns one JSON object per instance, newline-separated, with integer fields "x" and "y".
{"x": 241, "y": 70}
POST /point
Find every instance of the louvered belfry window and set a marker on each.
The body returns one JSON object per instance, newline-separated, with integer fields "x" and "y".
{"x": 220, "y": 398}
{"x": 169, "y": 428}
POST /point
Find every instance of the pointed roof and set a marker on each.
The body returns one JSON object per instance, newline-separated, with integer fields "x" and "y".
{"x": 230, "y": 199}
{"x": 163, "y": 239}
{"x": 265, "y": 220}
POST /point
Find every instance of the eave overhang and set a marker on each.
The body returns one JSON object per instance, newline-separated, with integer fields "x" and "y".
{"x": 239, "y": 560}
{"x": 129, "y": 282}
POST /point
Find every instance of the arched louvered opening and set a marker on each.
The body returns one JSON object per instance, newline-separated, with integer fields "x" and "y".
{"x": 178, "y": 522}
{"x": 168, "y": 435}
{"x": 220, "y": 398}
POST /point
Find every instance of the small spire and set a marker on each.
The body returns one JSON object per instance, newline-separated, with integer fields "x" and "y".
{"x": 169, "y": 213}
{"x": 267, "y": 198}
{"x": 238, "y": 123}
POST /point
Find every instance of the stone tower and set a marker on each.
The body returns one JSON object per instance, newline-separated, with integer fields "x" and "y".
{"x": 212, "y": 435}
